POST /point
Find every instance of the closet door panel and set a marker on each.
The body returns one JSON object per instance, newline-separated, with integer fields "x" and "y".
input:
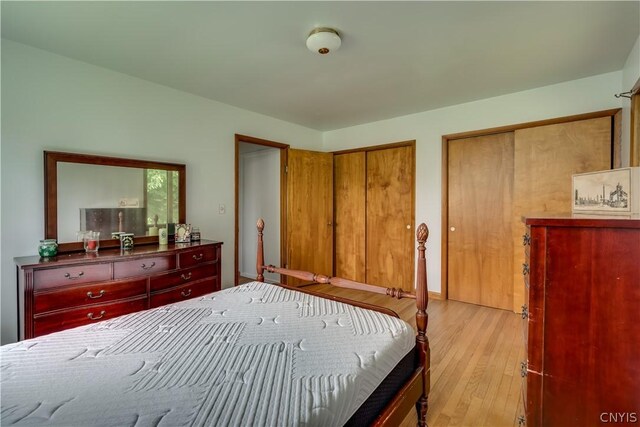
{"x": 350, "y": 213}
{"x": 389, "y": 222}
{"x": 480, "y": 191}
{"x": 545, "y": 157}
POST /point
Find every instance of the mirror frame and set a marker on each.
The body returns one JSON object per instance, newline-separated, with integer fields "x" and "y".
{"x": 51, "y": 160}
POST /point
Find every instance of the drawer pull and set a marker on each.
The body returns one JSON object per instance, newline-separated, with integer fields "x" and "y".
{"x": 90, "y": 315}
{"x": 525, "y": 269}
{"x": 526, "y": 240}
{"x": 523, "y": 369}
{"x": 92, "y": 296}
{"x": 198, "y": 257}
{"x": 148, "y": 267}
{"x": 187, "y": 293}
{"x": 525, "y": 311}
{"x": 70, "y": 277}
{"x": 186, "y": 276}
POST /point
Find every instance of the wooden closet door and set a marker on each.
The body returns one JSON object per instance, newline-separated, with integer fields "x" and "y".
{"x": 309, "y": 212}
{"x": 480, "y": 251}
{"x": 545, "y": 157}
{"x": 390, "y": 226}
{"x": 350, "y": 214}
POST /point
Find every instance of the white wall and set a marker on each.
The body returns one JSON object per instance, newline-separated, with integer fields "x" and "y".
{"x": 630, "y": 76}
{"x": 259, "y": 187}
{"x": 50, "y": 102}
{"x": 575, "y": 97}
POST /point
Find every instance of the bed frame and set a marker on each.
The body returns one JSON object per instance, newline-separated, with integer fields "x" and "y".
{"x": 416, "y": 389}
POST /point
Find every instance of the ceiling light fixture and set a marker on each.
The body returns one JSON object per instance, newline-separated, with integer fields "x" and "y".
{"x": 323, "y": 40}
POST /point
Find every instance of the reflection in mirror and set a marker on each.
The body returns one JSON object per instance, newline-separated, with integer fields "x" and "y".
{"x": 109, "y": 195}
{"x": 112, "y": 199}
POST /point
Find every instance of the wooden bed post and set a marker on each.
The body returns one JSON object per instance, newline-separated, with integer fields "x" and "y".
{"x": 422, "y": 320}
{"x": 419, "y": 384}
{"x": 260, "y": 255}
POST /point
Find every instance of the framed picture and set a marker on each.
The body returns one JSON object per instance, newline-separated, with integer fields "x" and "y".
{"x": 607, "y": 192}
{"x": 183, "y": 233}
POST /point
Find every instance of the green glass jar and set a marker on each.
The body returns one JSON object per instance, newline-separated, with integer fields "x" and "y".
{"x": 48, "y": 248}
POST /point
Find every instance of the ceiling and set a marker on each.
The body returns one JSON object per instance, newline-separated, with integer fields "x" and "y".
{"x": 396, "y": 58}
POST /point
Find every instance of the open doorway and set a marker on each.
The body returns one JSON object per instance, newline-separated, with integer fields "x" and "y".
{"x": 260, "y": 193}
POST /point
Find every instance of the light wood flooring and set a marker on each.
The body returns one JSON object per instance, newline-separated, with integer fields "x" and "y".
{"x": 475, "y": 360}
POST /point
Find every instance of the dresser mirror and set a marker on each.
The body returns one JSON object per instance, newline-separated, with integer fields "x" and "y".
{"x": 110, "y": 195}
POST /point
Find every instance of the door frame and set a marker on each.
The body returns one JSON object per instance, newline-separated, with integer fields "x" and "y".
{"x": 615, "y": 114}
{"x": 409, "y": 143}
{"x": 283, "y": 197}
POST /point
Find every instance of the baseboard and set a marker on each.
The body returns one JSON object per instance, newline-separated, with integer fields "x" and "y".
{"x": 435, "y": 295}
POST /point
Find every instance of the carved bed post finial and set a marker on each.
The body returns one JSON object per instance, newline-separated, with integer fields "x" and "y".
{"x": 422, "y": 320}
{"x": 260, "y": 255}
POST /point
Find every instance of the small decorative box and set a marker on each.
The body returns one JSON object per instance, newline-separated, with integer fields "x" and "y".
{"x": 126, "y": 241}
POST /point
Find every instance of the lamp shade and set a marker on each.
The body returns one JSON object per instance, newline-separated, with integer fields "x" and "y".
{"x": 323, "y": 40}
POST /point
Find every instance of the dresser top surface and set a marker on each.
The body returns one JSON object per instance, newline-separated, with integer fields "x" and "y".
{"x": 109, "y": 255}
{"x": 582, "y": 220}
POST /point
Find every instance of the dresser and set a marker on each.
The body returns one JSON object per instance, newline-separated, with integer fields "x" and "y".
{"x": 582, "y": 320}
{"x": 79, "y": 288}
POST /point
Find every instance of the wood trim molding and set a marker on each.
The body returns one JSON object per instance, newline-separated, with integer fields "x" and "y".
{"x": 634, "y": 140}
{"x": 378, "y": 147}
{"x": 444, "y": 215}
{"x": 538, "y": 123}
{"x": 444, "y": 277}
{"x": 283, "y": 161}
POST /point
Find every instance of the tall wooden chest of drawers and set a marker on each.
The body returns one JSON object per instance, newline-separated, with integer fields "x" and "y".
{"x": 583, "y": 321}
{"x": 80, "y": 288}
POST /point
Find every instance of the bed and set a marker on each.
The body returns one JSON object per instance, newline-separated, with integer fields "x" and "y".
{"x": 255, "y": 354}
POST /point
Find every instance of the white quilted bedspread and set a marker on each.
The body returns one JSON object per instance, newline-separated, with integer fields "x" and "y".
{"x": 252, "y": 355}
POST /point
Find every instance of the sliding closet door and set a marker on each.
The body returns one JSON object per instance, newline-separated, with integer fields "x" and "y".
{"x": 545, "y": 159}
{"x": 390, "y": 235}
{"x": 350, "y": 214}
{"x": 309, "y": 212}
{"x": 480, "y": 251}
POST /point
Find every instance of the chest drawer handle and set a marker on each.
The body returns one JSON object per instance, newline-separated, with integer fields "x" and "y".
{"x": 70, "y": 277}
{"x": 186, "y": 293}
{"x": 92, "y": 296}
{"x": 186, "y": 276}
{"x": 198, "y": 257}
{"x": 148, "y": 267}
{"x": 92, "y": 317}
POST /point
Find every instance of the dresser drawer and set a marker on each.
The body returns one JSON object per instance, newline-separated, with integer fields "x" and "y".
{"x": 180, "y": 277}
{"x": 70, "y": 275}
{"x": 66, "y": 319}
{"x": 184, "y": 292}
{"x": 96, "y": 293}
{"x": 198, "y": 256}
{"x": 143, "y": 266}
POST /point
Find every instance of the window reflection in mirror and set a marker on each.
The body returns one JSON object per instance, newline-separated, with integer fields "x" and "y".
{"x": 112, "y": 199}
{"x": 162, "y": 195}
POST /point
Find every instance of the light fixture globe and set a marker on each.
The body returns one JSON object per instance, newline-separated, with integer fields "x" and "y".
{"x": 323, "y": 40}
